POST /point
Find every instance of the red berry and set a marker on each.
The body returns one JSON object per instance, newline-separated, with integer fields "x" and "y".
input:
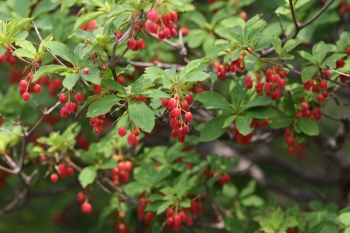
{"x": 63, "y": 98}
{"x": 1, "y": 57}
{"x": 188, "y": 117}
{"x": 37, "y": 88}
{"x": 282, "y": 83}
{"x": 64, "y": 112}
{"x": 128, "y": 165}
{"x": 152, "y": 15}
{"x": 26, "y": 96}
{"x": 184, "y": 31}
{"x": 189, "y": 99}
{"x": 305, "y": 105}
{"x": 176, "y": 112}
{"x": 327, "y": 73}
{"x": 132, "y": 44}
{"x": 121, "y": 166}
{"x": 86, "y": 70}
{"x": 86, "y": 208}
{"x": 177, "y": 219}
{"x": 23, "y": 84}
{"x": 317, "y": 113}
{"x": 244, "y": 15}
{"x": 169, "y": 221}
{"x": 347, "y": 51}
{"x": 79, "y": 98}
{"x": 172, "y": 103}
{"x": 173, "y": 16}
{"x": 97, "y": 89}
{"x": 320, "y": 98}
{"x": 131, "y": 139}
{"x": 167, "y": 33}
{"x": 165, "y": 102}
{"x": 169, "y": 212}
{"x": 136, "y": 131}
{"x": 80, "y": 197}
{"x": 140, "y": 44}
{"x": 323, "y": 85}
{"x": 122, "y": 131}
{"x": 54, "y": 177}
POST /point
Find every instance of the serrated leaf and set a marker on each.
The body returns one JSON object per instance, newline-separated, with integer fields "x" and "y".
{"x": 243, "y": 124}
{"x": 308, "y": 127}
{"x": 141, "y": 115}
{"x": 93, "y": 75}
{"x": 87, "y": 176}
{"x": 102, "y": 105}
{"x": 213, "y": 129}
{"x": 280, "y": 121}
{"x": 115, "y": 86}
{"x": 49, "y": 69}
{"x": 307, "y": 56}
{"x": 212, "y": 100}
{"x": 59, "y": 49}
{"x": 70, "y": 80}
{"x": 308, "y": 73}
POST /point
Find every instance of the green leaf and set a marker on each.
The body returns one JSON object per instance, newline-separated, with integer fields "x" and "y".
{"x": 24, "y": 53}
{"x": 212, "y": 100}
{"x": 308, "y": 73}
{"x": 81, "y": 34}
{"x": 216, "y": 49}
{"x": 280, "y": 121}
{"x": 237, "y": 33}
{"x": 286, "y": 105}
{"x": 87, "y": 176}
{"x": 84, "y": 19}
{"x": 259, "y": 101}
{"x": 44, "y": 6}
{"x": 243, "y": 124}
{"x": 238, "y": 92}
{"x": 319, "y": 51}
{"x": 59, "y": 49}
{"x": 115, "y": 86}
{"x": 253, "y": 200}
{"x": 307, "y": 56}
{"x": 345, "y": 218}
{"x": 102, "y": 105}
{"x": 141, "y": 115}
{"x": 261, "y": 112}
{"x": 198, "y": 64}
{"x": 196, "y": 76}
{"x": 49, "y": 69}
{"x": 308, "y": 127}
{"x": 93, "y": 75}
{"x": 213, "y": 129}
{"x": 229, "y": 121}
{"x": 277, "y": 45}
{"x": 233, "y": 225}
{"x": 70, "y": 80}
{"x": 234, "y": 55}
{"x": 164, "y": 206}
{"x": 109, "y": 164}
{"x": 290, "y": 45}
{"x": 248, "y": 189}
{"x": 18, "y": 25}
{"x": 185, "y": 203}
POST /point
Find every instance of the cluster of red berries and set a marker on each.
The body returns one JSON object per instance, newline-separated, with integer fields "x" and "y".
{"x": 274, "y": 79}
{"x": 306, "y": 111}
{"x": 344, "y": 7}
{"x": 161, "y": 24}
{"x": 291, "y": 141}
{"x": 223, "y": 179}
{"x": 143, "y": 215}
{"x": 178, "y": 108}
{"x": 8, "y": 58}
{"x": 222, "y": 69}
{"x": 174, "y": 220}
{"x": 121, "y": 173}
{"x": 70, "y": 107}
{"x": 132, "y": 137}
{"x": 24, "y": 85}
{"x": 53, "y": 85}
{"x": 63, "y": 169}
{"x": 85, "y": 207}
{"x": 317, "y": 86}
{"x": 136, "y": 45}
{"x": 97, "y": 123}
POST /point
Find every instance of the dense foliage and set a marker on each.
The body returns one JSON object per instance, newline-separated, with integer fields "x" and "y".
{"x": 174, "y": 115}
